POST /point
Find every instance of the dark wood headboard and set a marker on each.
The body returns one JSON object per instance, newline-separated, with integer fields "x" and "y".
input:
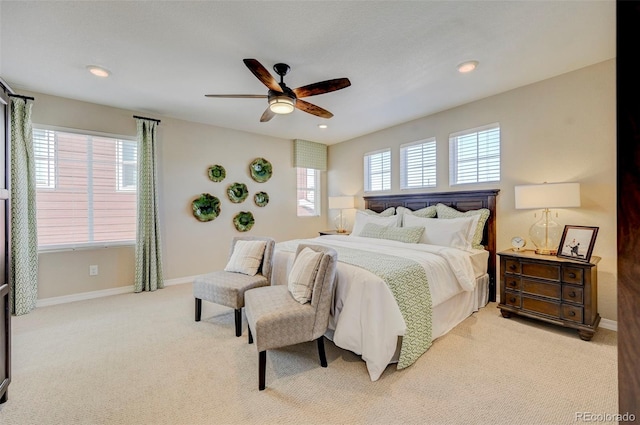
{"x": 462, "y": 201}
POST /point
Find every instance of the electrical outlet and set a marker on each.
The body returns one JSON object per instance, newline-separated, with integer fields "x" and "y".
{"x": 93, "y": 270}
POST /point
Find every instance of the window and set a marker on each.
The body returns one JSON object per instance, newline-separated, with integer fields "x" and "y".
{"x": 85, "y": 189}
{"x": 127, "y": 153}
{"x": 44, "y": 158}
{"x": 474, "y": 155}
{"x": 418, "y": 164}
{"x": 308, "y": 189}
{"x": 377, "y": 171}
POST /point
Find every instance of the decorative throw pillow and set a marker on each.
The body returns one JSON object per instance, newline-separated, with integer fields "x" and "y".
{"x": 453, "y": 233}
{"x": 402, "y": 234}
{"x": 386, "y": 213}
{"x": 363, "y": 218}
{"x": 482, "y": 213}
{"x": 246, "y": 257}
{"x": 303, "y": 274}
{"x": 427, "y": 212}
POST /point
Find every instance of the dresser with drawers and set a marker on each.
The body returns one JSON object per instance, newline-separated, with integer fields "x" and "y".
{"x": 552, "y": 289}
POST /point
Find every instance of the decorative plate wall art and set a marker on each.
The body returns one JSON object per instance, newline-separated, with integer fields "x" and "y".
{"x": 206, "y": 207}
{"x": 237, "y": 192}
{"x": 261, "y": 199}
{"x": 243, "y": 221}
{"x": 261, "y": 170}
{"x": 217, "y": 173}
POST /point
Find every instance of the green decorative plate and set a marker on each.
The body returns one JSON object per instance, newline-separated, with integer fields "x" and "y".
{"x": 261, "y": 170}
{"x": 261, "y": 199}
{"x": 244, "y": 221}
{"x": 217, "y": 173}
{"x": 237, "y": 192}
{"x": 206, "y": 207}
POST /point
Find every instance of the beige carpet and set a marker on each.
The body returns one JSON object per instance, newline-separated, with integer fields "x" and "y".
{"x": 141, "y": 359}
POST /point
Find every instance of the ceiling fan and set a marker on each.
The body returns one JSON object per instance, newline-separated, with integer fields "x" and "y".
{"x": 282, "y": 99}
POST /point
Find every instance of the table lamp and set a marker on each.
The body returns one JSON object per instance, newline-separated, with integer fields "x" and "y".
{"x": 340, "y": 203}
{"x": 546, "y": 233}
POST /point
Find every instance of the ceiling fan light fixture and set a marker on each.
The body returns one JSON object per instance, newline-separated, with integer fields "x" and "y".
{"x": 281, "y": 104}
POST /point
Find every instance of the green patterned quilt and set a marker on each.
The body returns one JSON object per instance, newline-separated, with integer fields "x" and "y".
{"x": 408, "y": 283}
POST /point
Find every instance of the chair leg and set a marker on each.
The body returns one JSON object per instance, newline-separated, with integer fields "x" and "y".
{"x": 323, "y": 357}
{"x": 250, "y": 335}
{"x": 262, "y": 367}
{"x": 238, "y": 315}
{"x": 198, "y": 309}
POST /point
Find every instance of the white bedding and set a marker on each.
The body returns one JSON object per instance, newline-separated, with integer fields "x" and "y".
{"x": 365, "y": 317}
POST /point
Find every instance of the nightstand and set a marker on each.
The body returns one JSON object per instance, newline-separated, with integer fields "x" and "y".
{"x": 552, "y": 289}
{"x": 333, "y": 232}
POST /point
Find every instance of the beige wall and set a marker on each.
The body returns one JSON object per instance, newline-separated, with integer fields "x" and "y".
{"x": 561, "y": 129}
{"x": 558, "y": 130}
{"x": 186, "y": 151}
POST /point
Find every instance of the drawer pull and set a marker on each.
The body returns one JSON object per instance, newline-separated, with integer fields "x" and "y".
{"x": 512, "y": 299}
{"x": 572, "y": 313}
{"x": 512, "y": 267}
{"x": 572, "y": 275}
{"x": 572, "y": 294}
{"x": 513, "y": 283}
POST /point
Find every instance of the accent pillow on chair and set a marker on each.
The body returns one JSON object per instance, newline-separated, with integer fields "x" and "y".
{"x": 303, "y": 274}
{"x": 246, "y": 257}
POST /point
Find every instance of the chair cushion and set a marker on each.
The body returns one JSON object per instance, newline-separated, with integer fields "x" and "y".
{"x": 303, "y": 274}
{"x": 276, "y": 319}
{"x": 226, "y": 288}
{"x": 246, "y": 257}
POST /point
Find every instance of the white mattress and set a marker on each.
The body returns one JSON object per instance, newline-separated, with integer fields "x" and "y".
{"x": 365, "y": 317}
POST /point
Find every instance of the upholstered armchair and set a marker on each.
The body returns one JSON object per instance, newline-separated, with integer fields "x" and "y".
{"x": 249, "y": 266}
{"x": 282, "y": 315}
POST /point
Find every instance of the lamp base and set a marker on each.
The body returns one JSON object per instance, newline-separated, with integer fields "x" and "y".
{"x": 543, "y": 251}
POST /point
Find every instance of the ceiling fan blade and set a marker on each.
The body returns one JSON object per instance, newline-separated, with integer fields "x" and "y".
{"x": 238, "y": 96}
{"x": 313, "y": 109}
{"x": 267, "y": 115}
{"x": 262, "y": 74}
{"x": 322, "y": 87}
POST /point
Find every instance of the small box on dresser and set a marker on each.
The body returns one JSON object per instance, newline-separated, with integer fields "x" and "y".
{"x": 555, "y": 290}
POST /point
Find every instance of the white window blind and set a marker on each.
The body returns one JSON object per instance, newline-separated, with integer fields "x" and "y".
{"x": 377, "y": 171}
{"x": 418, "y": 164}
{"x": 44, "y": 158}
{"x": 474, "y": 155}
{"x": 308, "y": 192}
{"x": 93, "y": 200}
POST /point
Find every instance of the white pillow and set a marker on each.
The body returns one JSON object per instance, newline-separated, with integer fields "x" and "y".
{"x": 246, "y": 257}
{"x": 363, "y": 218}
{"x": 303, "y": 274}
{"x": 453, "y": 232}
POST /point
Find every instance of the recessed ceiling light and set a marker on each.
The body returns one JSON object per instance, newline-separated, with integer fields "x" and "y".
{"x": 98, "y": 71}
{"x": 322, "y": 126}
{"x": 468, "y": 66}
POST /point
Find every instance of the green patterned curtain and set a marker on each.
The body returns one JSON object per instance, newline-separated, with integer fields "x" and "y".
{"x": 148, "y": 245}
{"x": 23, "y": 270}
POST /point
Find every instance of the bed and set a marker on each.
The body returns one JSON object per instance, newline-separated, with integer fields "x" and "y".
{"x": 395, "y": 319}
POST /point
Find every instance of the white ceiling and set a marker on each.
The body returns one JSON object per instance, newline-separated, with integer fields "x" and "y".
{"x": 400, "y": 56}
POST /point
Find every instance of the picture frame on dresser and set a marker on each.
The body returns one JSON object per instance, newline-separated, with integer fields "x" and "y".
{"x": 577, "y": 242}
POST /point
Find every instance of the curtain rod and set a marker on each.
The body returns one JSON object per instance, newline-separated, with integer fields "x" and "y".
{"x": 145, "y": 118}
{"x": 21, "y": 96}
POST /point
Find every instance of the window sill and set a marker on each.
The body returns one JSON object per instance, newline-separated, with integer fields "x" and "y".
{"x": 84, "y": 247}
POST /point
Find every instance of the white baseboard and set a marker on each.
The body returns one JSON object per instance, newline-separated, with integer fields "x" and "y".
{"x": 43, "y": 302}
{"x": 612, "y": 325}
{"x": 604, "y": 323}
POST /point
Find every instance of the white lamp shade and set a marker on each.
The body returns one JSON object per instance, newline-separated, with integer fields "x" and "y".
{"x": 548, "y": 195}
{"x": 340, "y": 202}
